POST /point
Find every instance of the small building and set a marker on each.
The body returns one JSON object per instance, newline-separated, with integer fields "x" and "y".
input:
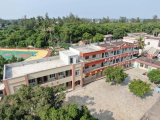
{"x": 147, "y": 63}
{"x": 149, "y": 40}
{"x": 151, "y": 53}
{"x": 152, "y": 42}
{"x": 108, "y": 37}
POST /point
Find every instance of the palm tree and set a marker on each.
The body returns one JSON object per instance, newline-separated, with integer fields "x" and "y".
{"x": 141, "y": 43}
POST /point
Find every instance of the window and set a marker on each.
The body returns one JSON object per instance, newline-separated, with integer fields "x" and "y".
{"x": 106, "y": 54}
{"x": 129, "y": 48}
{"x": 71, "y": 60}
{"x": 125, "y": 49}
{"x": 52, "y": 76}
{"x": 61, "y": 85}
{"x": 77, "y": 72}
{"x": 86, "y": 67}
{"x": 148, "y": 43}
{"x": 93, "y": 65}
{"x": 86, "y": 76}
{"x": 1, "y": 92}
{"x": 141, "y": 64}
{"x": 87, "y": 57}
{"x": 32, "y": 81}
{"x": 146, "y": 66}
{"x": 60, "y": 73}
{"x": 111, "y": 52}
{"x": 93, "y": 56}
{"x": 105, "y": 63}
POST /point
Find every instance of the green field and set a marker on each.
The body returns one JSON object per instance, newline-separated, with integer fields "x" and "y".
{"x": 3, "y": 53}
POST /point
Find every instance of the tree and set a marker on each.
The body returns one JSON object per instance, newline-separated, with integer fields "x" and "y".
{"x": 118, "y": 33}
{"x": 156, "y": 31}
{"x": 115, "y": 74}
{"x": 155, "y": 19}
{"x": 141, "y": 43}
{"x": 138, "y": 20}
{"x": 43, "y": 103}
{"x": 139, "y": 87}
{"x": 154, "y": 75}
{"x": 123, "y": 20}
{"x": 30, "y": 102}
{"x": 132, "y": 20}
{"x": 87, "y": 36}
{"x": 105, "y": 20}
{"x": 98, "y": 37}
{"x": 68, "y": 112}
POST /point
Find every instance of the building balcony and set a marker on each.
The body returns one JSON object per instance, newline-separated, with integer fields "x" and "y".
{"x": 54, "y": 82}
{"x": 93, "y": 62}
{"x": 114, "y": 65}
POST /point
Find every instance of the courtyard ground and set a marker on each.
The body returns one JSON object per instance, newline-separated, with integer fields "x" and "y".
{"x": 114, "y": 102}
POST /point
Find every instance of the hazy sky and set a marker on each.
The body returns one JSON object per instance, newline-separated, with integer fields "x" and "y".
{"x": 14, "y": 9}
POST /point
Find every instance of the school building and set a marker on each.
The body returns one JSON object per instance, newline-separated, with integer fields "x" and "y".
{"x": 72, "y": 68}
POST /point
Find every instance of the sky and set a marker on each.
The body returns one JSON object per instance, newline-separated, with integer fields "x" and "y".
{"x": 15, "y": 9}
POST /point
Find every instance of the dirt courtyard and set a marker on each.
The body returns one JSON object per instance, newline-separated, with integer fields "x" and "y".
{"x": 115, "y": 102}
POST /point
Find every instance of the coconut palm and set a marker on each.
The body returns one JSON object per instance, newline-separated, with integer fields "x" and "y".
{"x": 141, "y": 42}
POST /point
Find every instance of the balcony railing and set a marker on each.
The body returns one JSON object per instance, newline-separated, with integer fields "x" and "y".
{"x": 100, "y": 69}
{"x": 109, "y": 58}
{"x": 55, "y": 82}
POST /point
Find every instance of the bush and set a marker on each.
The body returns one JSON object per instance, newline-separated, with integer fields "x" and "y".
{"x": 154, "y": 75}
{"x": 139, "y": 87}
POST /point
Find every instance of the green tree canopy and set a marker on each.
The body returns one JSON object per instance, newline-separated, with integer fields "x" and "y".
{"x": 154, "y": 75}
{"x": 43, "y": 103}
{"x": 30, "y": 102}
{"x": 141, "y": 42}
{"x": 139, "y": 87}
{"x": 115, "y": 74}
{"x": 68, "y": 112}
{"x": 98, "y": 37}
{"x": 87, "y": 36}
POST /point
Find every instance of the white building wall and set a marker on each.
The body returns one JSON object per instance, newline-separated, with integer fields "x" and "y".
{"x": 74, "y": 51}
{"x": 153, "y": 43}
{"x": 64, "y": 58}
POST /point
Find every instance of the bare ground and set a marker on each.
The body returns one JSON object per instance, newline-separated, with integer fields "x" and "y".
{"x": 115, "y": 101}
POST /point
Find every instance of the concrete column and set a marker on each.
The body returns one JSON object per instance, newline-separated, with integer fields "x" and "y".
{"x": 81, "y": 81}
{"x": 42, "y": 79}
{"x": 73, "y": 77}
{"x": 26, "y": 79}
{"x": 36, "y": 81}
{"x": 70, "y": 83}
{"x": 69, "y": 72}
{"x": 49, "y": 78}
{"x": 6, "y": 87}
{"x": 56, "y": 76}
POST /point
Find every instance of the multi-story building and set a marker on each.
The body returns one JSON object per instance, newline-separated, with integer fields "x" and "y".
{"x": 72, "y": 68}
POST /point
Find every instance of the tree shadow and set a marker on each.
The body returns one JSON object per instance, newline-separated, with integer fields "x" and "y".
{"x": 127, "y": 81}
{"x": 87, "y": 100}
{"x": 104, "y": 115}
{"x": 148, "y": 94}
